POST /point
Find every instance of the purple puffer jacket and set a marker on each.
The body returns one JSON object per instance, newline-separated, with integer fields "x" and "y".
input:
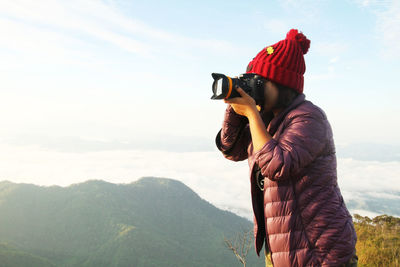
{"x": 300, "y": 213}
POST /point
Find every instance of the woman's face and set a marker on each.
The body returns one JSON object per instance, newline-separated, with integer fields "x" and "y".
{"x": 270, "y": 95}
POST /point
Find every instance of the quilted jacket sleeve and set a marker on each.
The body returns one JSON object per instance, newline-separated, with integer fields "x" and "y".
{"x": 234, "y": 137}
{"x": 303, "y": 140}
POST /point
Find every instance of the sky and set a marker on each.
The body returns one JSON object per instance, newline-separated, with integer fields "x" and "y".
{"x": 117, "y": 90}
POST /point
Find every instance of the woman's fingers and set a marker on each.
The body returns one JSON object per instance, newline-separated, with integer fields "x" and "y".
{"x": 241, "y": 91}
{"x": 242, "y": 99}
{"x": 235, "y": 100}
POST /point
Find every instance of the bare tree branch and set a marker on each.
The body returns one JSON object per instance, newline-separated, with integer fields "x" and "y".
{"x": 241, "y": 244}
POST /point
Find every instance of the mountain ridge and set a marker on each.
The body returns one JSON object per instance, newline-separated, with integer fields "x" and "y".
{"x": 148, "y": 222}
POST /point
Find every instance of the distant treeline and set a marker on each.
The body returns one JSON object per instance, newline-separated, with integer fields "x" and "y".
{"x": 378, "y": 240}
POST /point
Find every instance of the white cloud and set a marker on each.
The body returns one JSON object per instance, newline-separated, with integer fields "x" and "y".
{"x": 373, "y": 3}
{"x": 387, "y": 28}
{"x": 39, "y": 46}
{"x": 368, "y": 176}
{"x": 97, "y": 20}
{"x": 327, "y": 75}
{"x": 276, "y": 26}
{"x": 307, "y": 11}
{"x": 368, "y": 213}
{"x": 329, "y": 48}
{"x": 372, "y": 187}
{"x": 222, "y": 182}
{"x": 60, "y": 16}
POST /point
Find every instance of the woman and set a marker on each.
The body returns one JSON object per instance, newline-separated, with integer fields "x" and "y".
{"x": 297, "y": 204}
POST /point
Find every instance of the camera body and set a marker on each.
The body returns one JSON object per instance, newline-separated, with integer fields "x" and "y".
{"x": 224, "y": 86}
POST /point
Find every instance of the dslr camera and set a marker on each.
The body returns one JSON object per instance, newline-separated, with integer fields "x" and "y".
{"x": 224, "y": 87}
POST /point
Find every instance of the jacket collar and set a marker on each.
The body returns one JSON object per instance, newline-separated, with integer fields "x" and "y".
{"x": 276, "y": 121}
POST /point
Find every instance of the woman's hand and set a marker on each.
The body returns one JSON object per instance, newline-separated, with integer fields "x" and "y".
{"x": 244, "y": 105}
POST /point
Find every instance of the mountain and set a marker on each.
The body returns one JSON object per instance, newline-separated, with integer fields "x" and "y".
{"x": 150, "y": 222}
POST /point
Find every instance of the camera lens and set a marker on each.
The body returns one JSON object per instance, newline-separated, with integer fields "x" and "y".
{"x": 218, "y": 89}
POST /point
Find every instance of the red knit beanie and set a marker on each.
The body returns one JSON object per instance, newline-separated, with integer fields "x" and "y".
{"x": 283, "y": 62}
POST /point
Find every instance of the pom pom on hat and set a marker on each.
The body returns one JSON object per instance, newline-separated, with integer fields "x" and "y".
{"x": 301, "y": 39}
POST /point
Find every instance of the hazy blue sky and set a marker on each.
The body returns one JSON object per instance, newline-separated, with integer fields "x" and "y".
{"x": 122, "y": 78}
{"x": 121, "y": 70}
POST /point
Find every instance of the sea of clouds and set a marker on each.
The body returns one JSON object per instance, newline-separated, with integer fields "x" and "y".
{"x": 368, "y": 187}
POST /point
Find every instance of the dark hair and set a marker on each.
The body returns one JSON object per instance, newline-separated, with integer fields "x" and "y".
{"x": 286, "y": 96}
